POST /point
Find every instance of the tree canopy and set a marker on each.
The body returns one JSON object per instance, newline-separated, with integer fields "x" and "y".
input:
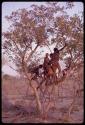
{"x": 35, "y": 26}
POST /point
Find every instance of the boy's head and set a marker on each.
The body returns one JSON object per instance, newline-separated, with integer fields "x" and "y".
{"x": 51, "y": 55}
{"x": 56, "y": 50}
{"x": 47, "y": 55}
{"x": 40, "y": 66}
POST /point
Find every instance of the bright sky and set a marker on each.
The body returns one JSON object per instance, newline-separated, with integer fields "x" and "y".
{"x": 8, "y": 7}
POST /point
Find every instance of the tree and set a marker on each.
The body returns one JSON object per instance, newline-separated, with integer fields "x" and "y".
{"x": 33, "y": 28}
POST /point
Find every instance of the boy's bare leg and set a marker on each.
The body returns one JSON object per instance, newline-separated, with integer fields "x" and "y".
{"x": 59, "y": 68}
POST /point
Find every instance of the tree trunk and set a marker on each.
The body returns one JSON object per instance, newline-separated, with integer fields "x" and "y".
{"x": 37, "y": 98}
{"x": 35, "y": 93}
{"x": 30, "y": 81}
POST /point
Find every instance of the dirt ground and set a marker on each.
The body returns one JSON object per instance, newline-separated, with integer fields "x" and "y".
{"x": 19, "y": 108}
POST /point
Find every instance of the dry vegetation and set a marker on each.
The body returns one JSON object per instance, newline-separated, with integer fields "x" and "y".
{"x": 17, "y": 107}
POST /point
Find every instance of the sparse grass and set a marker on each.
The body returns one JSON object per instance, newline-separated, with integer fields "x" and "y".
{"x": 15, "y": 89}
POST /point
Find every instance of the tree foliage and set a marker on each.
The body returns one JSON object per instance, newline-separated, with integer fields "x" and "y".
{"x": 35, "y": 26}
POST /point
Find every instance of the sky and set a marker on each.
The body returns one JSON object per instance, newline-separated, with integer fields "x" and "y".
{"x": 8, "y": 7}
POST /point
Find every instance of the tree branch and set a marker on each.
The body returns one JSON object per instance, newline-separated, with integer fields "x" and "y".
{"x": 32, "y": 53}
{"x": 17, "y": 47}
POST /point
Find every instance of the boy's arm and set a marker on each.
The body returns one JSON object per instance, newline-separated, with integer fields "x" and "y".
{"x": 59, "y": 68}
{"x": 63, "y": 47}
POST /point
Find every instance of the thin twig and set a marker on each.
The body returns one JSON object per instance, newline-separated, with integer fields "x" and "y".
{"x": 49, "y": 48}
{"x": 14, "y": 69}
